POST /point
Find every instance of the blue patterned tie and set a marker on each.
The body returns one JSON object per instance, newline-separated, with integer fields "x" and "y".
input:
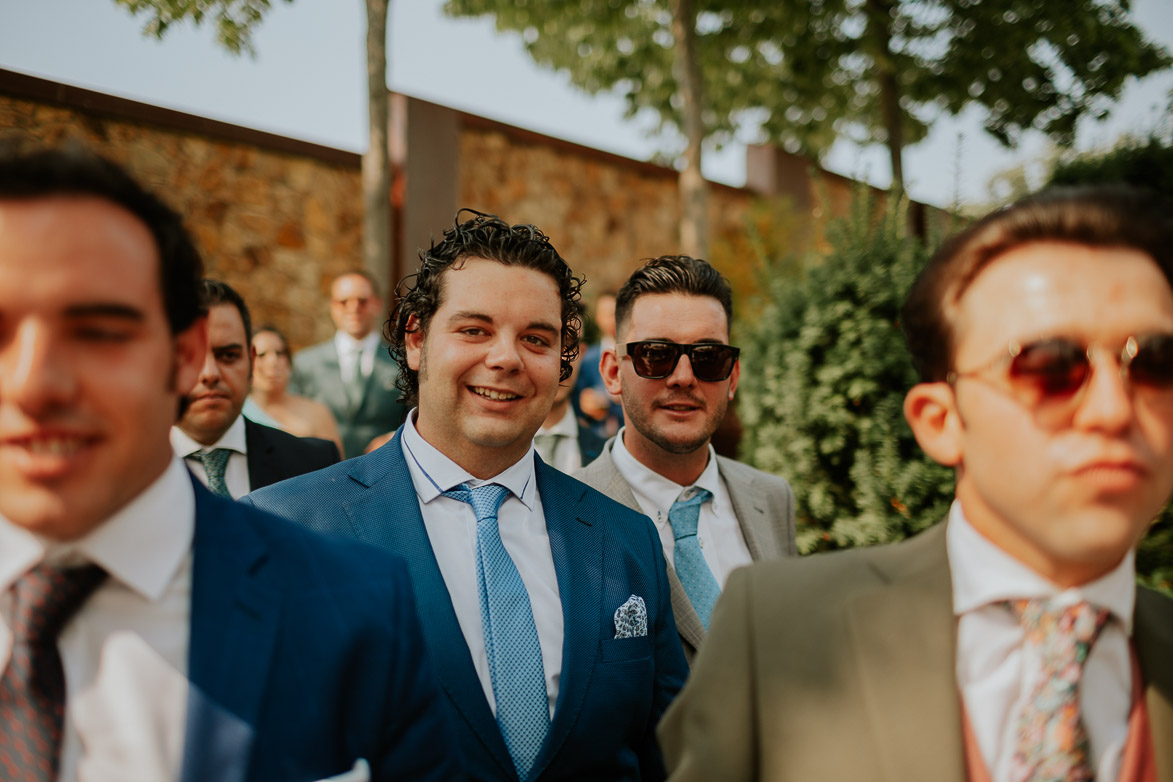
{"x": 692, "y": 570}
{"x": 215, "y": 464}
{"x": 511, "y": 638}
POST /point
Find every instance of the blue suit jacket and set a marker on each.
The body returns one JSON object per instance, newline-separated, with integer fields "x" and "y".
{"x": 305, "y": 655}
{"x": 612, "y": 692}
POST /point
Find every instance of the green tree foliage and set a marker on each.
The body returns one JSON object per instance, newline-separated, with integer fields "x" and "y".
{"x": 812, "y": 71}
{"x": 234, "y": 20}
{"x": 1146, "y": 163}
{"x": 821, "y": 402}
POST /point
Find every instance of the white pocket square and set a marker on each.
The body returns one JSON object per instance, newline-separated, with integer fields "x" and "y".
{"x": 631, "y": 618}
{"x": 360, "y": 773}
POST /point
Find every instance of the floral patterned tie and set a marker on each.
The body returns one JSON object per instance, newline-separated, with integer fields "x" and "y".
{"x": 32, "y": 690}
{"x": 215, "y": 464}
{"x": 1052, "y": 743}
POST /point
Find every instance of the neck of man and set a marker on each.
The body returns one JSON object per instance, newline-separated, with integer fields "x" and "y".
{"x": 204, "y": 437}
{"x": 680, "y": 468}
{"x": 556, "y": 412}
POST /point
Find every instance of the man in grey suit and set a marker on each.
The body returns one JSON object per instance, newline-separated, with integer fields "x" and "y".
{"x": 352, "y": 373}
{"x": 677, "y": 373}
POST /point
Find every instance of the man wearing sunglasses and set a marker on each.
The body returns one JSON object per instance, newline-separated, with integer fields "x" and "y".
{"x": 1011, "y": 642}
{"x": 677, "y": 373}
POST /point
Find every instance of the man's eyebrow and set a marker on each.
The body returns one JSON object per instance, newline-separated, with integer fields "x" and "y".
{"x": 101, "y": 309}
{"x": 229, "y": 346}
{"x": 537, "y": 325}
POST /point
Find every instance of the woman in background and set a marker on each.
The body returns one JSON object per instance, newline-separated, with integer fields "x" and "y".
{"x": 270, "y": 404}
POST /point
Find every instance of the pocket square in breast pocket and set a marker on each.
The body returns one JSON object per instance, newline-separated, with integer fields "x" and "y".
{"x": 631, "y": 618}
{"x": 360, "y": 773}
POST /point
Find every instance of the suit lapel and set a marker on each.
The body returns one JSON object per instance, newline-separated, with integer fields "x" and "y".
{"x": 333, "y": 390}
{"x": 387, "y": 515}
{"x": 260, "y": 456}
{"x": 688, "y": 621}
{"x": 751, "y": 512}
{"x": 903, "y": 631}
{"x": 576, "y": 542}
{"x": 1153, "y": 636}
{"x": 235, "y": 609}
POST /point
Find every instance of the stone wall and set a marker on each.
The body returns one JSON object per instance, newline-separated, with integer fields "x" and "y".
{"x": 274, "y": 219}
{"x": 603, "y": 212}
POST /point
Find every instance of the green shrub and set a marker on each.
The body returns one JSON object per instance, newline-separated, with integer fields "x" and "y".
{"x": 821, "y": 396}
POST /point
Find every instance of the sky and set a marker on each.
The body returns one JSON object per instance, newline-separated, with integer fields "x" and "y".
{"x": 307, "y": 81}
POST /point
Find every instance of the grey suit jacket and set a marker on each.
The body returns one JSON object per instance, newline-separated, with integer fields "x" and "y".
{"x": 316, "y": 374}
{"x": 764, "y": 505}
{"x": 842, "y": 666}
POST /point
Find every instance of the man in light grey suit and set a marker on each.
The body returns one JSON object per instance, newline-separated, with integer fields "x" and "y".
{"x": 352, "y": 373}
{"x": 677, "y": 373}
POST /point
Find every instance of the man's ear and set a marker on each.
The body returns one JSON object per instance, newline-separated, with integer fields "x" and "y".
{"x": 609, "y": 370}
{"x": 413, "y": 342}
{"x": 931, "y": 411}
{"x": 191, "y": 348}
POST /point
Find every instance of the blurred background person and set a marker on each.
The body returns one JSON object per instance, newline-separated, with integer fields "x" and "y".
{"x": 270, "y": 402}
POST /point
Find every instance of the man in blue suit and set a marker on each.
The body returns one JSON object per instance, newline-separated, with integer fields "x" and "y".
{"x": 545, "y": 605}
{"x": 149, "y": 629}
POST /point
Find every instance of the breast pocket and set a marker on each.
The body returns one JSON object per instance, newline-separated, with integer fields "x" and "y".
{"x": 621, "y": 649}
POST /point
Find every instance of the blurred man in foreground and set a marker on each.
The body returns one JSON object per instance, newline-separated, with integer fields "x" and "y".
{"x": 1011, "y": 642}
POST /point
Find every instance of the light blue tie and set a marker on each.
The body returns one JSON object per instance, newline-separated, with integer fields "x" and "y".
{"x": 692, "y": 570}
{"x": 511, "y": 639}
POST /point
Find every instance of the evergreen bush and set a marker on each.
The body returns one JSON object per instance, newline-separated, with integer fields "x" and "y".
{"x": 821, "y": 396}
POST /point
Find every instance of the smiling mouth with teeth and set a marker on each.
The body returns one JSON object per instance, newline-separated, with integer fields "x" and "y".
{"x": 498, "y": 396}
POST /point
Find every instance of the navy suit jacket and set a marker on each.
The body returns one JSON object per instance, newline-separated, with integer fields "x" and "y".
{"x": 612, "y": 692}
{"x": 274, "y": 455}
{"x": 305, "y": 655}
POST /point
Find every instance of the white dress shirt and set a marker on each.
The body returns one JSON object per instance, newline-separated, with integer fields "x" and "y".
{"x": 125, "y": 652}
{"x": 348, "y": 347}
{"x": 235, "y": 473}
{"x": 452, "y": 530}
{"x": 996, "y": 670}
{"x": 566, "y": 457}
{"x": 718, "y": 531}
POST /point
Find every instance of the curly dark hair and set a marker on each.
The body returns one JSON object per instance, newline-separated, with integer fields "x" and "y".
{"x": 484, "y": 236}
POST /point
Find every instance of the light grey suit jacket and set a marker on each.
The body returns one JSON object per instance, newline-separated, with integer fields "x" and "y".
{"x": 764, "y": 505}
{"x": 316, "y": 374}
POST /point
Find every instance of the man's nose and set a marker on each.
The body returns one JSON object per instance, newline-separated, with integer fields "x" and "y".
{"x": 682, "y": 375}
{"x": 504, "y": 353}
{"x": 33, "y": 374}
{"x": 1107, "y": 402}
{"x": 210, "y": 372}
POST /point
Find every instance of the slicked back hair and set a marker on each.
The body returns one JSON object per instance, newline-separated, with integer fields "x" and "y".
{"x": 484, "y": 236}
{"x": 214, "y": 293}
{"x": 680, "y": 274}
{"x": 30, "y": 171}
{"x": 1095, "y": 216}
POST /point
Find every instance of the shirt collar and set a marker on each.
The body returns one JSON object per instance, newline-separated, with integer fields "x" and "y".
{"x": 567, "y": 425}
{"x": 347, "y": 345}
{"x": 439, "y": 473}
{"x": 661, "y": 491}
{"x": 142, "y": 545}
{"x": 983, "y": 574}
{"x": 233, "y": 440}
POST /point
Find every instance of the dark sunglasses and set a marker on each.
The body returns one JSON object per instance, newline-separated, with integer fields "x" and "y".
{"x": 1049, "y": 375}
{"x": 656, "y": 360}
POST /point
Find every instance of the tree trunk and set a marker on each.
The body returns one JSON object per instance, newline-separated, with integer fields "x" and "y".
{"x": 879, "y": 29}
{"x": 376, "y": 165}
{"x": 694, "y": 195}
